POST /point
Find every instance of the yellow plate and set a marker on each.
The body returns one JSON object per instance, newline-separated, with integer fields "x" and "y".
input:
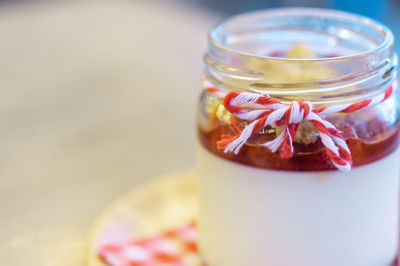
{"x": 168, "y": 202}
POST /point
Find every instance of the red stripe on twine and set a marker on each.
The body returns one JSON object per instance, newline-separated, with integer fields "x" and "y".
{"x": 345, "y": 155}
{"x": 235, "y": 124}
{"x": 388, "y": 92}
{"x": 227, "y": 102}
{"x": 335, "y": 132}
{"x": 225, "y": 140}
{"x": 212, "y": 90}
{"x": 306, "y": 109}
{"x": 286, "y": 150}
{"x": 356, "y": 106}
{"x": 285, "y": 118}
{"x": 320, "y": 127}
{"x": 335, "y": 158}
{"x": 263, "y": 100}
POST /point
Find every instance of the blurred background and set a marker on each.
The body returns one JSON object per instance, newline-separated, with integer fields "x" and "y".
{"x": 98, "y": 97}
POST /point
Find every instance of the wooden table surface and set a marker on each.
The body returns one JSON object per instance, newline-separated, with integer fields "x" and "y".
{"x": 97, "y": 97}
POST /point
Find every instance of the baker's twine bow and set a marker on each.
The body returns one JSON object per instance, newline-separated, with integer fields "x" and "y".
{"x": 262, "y": 111}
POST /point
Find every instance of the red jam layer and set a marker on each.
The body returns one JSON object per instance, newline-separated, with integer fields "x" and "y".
{"x": 311, "y": 157}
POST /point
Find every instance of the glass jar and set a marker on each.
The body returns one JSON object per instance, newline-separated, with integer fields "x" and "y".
{"x": 298, "y": 132}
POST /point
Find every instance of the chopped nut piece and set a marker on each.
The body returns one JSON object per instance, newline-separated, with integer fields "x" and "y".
{"x": 211, "y": 105}
{"x": 306, "y": 134}
{"x": 300, "y": 50}
{"x": 223, "y": 114}
{"x": 215, "y": 107}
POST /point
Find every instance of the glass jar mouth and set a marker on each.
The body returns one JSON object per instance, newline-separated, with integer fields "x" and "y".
{"x": 352, "y": 56}
{"x": 218, "y": 39}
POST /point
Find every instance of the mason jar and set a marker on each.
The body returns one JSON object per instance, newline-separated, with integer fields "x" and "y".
{"x": 298, "y": 128}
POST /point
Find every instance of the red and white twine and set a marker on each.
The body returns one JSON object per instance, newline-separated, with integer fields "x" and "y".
{"x": 176, "y": 247}
{"x": 262, "y": 111}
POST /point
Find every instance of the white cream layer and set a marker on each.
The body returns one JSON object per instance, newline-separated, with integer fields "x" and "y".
{"x": 256, "y": 217}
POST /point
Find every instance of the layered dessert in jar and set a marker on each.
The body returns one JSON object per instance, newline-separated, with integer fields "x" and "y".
{"x": 298, "y": 133}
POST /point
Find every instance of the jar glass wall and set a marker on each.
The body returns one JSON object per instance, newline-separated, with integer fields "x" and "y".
{"x": 263, "y": 205}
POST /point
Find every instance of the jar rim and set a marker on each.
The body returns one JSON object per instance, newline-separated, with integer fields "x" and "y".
{"x": 239, "y": 56}
{"x": 387, "y": 40}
